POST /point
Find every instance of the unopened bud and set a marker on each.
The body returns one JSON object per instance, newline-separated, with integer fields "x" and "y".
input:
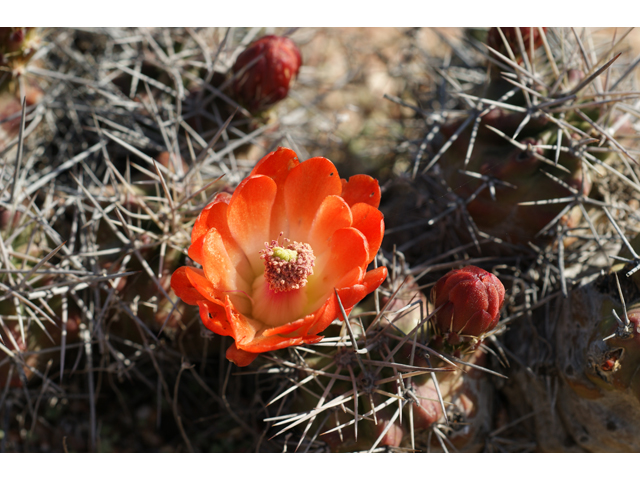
{"x": 264, "y": 71}
{"x": 470, "y": 300}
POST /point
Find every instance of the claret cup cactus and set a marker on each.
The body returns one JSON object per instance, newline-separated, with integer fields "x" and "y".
{"x": 170, "y": 285}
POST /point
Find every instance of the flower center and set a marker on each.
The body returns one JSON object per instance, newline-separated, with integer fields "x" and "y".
{"x": 287, "y": 268}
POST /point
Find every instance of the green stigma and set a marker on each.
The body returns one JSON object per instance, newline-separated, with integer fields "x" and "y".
{"x": 285, "y": 254}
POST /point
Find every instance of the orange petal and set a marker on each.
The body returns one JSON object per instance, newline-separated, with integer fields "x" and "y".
{"x": 240, "y": 303}
{"x": 249, "y": 216}
{"x": 348, "y": 250}
{"x": 369, "y": 220}
{"x": 215, "y": 216}
{"x": 343, "y": 266}
{"x": 277, "y": 308}
{"x": 210, "y": 217}
{"x": 333, "y": 213}
{"x": 267, "y": 344}
{"x": 326, "y": 315}
{"x": 195, "y": 250}
{"x": 329, "y": 311}
{"x": 218, "y": 267}
{"x": 285, "y": 329}
{"x": 184, "y": 288}
{"x": 214, "y": 317}
{"x": 202, "y": 284}
{"x": 349, "y": 297}
{"x": 240, "y": 357}
{"x": 305, "y": 189}
{"x": 317, "y": 321}
{"x": 329, "y": 315}
{"x": 353, "y": 277}
{"x": 374, "y": 278}
{"x": 243, "y": 328}
{"x": 361, "y": 189}
{"x": 277, "y": 165}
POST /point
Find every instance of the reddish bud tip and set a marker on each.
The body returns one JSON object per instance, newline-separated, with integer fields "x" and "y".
{"x": 264, "y": 71}
{"x": 494, "y": 40}
{"x": 470, "y": 301}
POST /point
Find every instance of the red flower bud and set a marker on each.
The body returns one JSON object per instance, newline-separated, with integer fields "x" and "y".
{"x": 265, "y": 70}
{"x": 471, "y": 299}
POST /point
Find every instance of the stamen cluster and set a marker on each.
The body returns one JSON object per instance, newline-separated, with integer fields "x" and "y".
{"x": 287, "y": 268}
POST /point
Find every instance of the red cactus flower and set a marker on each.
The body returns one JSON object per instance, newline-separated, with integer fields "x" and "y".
{"x": 273, "y": 252}
{"x": 265, "y": 70}
{"x": 471, "y": 299}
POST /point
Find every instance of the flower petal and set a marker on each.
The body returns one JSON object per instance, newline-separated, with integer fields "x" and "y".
{"x": 266, "y": 344}
{"x": 349, "y": 279}
{"x": 352, "y": 294}
{"x": 241, "y": 358}
{"x": 349, "y": 297}
{"x": 277, "y": 308}
{"x": 202, "y": 284}
{"x": 249, "y": 216}
{"x": 243, "y": 328}
{"x": 322, "y": 317}
{"x": 361, "y": 189}
{"x": 374, "y": 278}
{"x": 370, "y": 221}
{"x": 305, "y": 189}
{"x": 209, "y": 218}
{"x": 215, "y": 216}
{"x": 331, "y": 309}
{"x": 240, "y": 303}
{"x": 214, "y": 317}
{"x": 288, "y": 328}
{"x": 217, "y": 265}
{"x": 277, "y": 166}
{"x": 183, "y": 287}
{"x": 333, "y": 214}
{"x": 348, "y": 250}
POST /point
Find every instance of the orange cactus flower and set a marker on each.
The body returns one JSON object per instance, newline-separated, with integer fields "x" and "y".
{"x": 274, "y": 251}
